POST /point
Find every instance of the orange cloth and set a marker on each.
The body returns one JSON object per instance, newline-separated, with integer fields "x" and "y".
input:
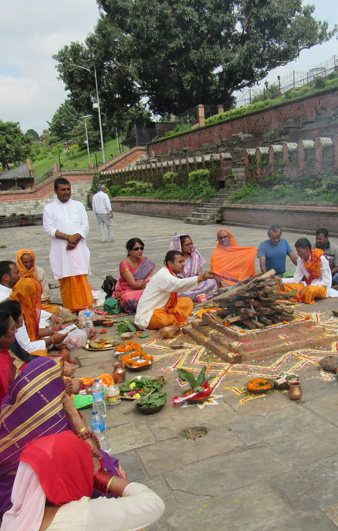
{"x": 28, "y": 292}
{"x": 309, "y": 294}
{"x": 76, "y": 293}
{"x": 233, "y": 263}
{"x": 172, "y": 316}
{"x": 314, "y": 265}
{"x": 51, "y": 308}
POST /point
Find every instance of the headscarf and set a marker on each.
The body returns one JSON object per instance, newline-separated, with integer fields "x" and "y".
{"x": 28, "y": 291}
{"x": 59, "y": 468}
{"x": 313, "y": 267}
{"x": 233, "y": 263}
{"x": 26, "y": 273}
{"x": 197, "y": 260}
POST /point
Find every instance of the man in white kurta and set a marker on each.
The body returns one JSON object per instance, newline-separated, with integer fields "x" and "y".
{"x": 66, "y": 223}
{"x": 159, "y": 305}
{"x": 104, "y": 214}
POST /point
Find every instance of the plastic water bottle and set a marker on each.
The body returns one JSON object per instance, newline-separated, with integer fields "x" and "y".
{"x": 99, "y": 402}
{"x": 88, "y": 320}
{"x": 98, "y": 426}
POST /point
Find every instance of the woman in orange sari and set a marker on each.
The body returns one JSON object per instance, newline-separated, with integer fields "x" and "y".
{"x": 315, "y": 268}
{"x": 230, "y": 262}
{"x": 27, "y": 267}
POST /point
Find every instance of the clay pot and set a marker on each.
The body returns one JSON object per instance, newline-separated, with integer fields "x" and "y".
{"x": 295, "y": 390}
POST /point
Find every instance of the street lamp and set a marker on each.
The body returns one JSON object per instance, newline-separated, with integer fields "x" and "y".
{"x": 97, "y": 104}
{"x": 87, "y": 141}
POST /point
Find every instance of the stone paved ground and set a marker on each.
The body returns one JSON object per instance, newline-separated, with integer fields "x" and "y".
{"x": 266, "y": 463}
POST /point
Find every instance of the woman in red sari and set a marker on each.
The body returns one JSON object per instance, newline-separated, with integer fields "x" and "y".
{"x": 136, "y": 270}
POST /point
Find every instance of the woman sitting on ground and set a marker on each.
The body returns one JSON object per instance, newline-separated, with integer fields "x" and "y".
{"x": 37, "y": 402}
{"x": 315, "y": 268}
{"x": 136, "y": 270}
{"x": 194, "y": 263}
{"x": 28, "y": 292}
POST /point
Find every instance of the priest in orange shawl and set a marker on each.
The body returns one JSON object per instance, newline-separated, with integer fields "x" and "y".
{"x": 159, "y": 305}
{"x": 314, "y": 267}
{"x": 230, "y": 262}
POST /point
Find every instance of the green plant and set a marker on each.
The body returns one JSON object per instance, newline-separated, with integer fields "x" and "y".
{"x": 199, "y": 180}
{"x": 125, "y": 326}
{"x": 96, "y": 181}
{"x": 320, "y": 83}
{"x": 115, "y": 190}
{"x": 195, "y": 383}
{"x": 153, "y": 400}
{"x": 170, "y": 180}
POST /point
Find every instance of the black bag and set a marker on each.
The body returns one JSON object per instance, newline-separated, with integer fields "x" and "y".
{"x": 108, "y": 285}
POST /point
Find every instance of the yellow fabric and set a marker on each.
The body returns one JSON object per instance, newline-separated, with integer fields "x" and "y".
{"x": 161, "y": 317}
{"x": 309, "y": 294}
{"x": 76, "y": 293}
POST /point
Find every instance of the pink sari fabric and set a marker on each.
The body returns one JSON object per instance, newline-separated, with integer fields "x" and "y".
{"x": 128, "y": 296}
{"x": 193, "y": 266}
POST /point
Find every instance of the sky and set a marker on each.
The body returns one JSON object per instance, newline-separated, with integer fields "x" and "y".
{"x": 31, "y": 32}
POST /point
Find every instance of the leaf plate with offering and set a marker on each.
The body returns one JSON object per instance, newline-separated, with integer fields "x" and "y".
{"x": 260, "y": 385}
{"x": 152, "y": 403}
{"x": 140, "y": 386}
{"x": 99, "y": 344}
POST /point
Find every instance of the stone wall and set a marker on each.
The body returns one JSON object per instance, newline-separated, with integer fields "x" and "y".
{"x": 145, "y": 206}
{"x": 306, "y": 218}
{"x": 32, "y": 202}
{"x": 303, "y": 119}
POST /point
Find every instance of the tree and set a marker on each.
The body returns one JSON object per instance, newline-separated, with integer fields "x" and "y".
{"x": 63, "y": 122}
{"x": 14, "y": 145}
{"x": 78, "y": 135}
{"x": 180, "y": 54}
{"x": 33, "y": 134}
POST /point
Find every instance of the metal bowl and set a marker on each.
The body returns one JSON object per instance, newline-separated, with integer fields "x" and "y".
{"x": 168, "y": 332}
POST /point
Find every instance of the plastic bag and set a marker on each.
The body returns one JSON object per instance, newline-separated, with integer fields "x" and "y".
{"x": 76, "y": 339}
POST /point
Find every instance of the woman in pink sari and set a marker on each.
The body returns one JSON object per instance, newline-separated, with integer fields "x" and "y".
{"x": 136, "y": 270}
{"x": 194, "y": 262}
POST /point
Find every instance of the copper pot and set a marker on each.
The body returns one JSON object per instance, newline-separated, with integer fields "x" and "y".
{"x": 119, "y": 373}
{"x": 295, "y": 390}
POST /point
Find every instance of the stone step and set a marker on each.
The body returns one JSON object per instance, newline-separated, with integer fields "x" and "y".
{"x": 200, "y": 215}
{"x": 196, "y": 221}
{"x": 208, "y": 210}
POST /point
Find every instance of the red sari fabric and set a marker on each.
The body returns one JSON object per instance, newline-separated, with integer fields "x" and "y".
{"x": 64, "y": 464}
{"x": 7, "y": 372}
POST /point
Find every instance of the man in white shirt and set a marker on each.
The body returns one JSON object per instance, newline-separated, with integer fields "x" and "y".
{"x": 104, "y": 214}
{"x": 159, "y": 305}
{"x": 9, "y": 276}
{"x": 66, "y": 223}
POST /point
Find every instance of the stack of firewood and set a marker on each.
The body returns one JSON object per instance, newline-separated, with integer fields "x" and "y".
{"x": 254, "y": 303}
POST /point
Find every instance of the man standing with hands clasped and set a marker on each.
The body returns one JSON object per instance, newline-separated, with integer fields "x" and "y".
{"x": 104, "y": 214}
{"x": 66, "y": 222}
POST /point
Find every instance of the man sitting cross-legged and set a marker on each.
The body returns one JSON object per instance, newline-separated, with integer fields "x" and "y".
{"x": 159, "y": 305}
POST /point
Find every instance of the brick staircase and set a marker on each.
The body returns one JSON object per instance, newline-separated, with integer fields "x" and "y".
{"x": 211, "y": 212}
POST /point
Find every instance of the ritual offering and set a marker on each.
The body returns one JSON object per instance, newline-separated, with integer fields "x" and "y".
{"x": 168, "y": 332}
{"x": 119, "y": 373}
{"x": 140, "y": 387}
{"x": 152, "y": 403}
{"x": 99, "y": 344}
{"x": 260, "y": 385}
{"x": 199, "y": 387}
{"x": 136, "y": 359}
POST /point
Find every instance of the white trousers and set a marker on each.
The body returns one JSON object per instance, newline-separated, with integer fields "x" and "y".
{"x": 102, "y": 220}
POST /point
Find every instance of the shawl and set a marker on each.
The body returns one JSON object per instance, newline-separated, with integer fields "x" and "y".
{"x": 26, "y": 273}
{"x": 28, "y": 292}
{"x": 196, "y": 263}
{"x": 33, "y": 408}
{"x": 313, "y": 267}
{"x": 57, "y": 467}
{"x": 233, "y": 263}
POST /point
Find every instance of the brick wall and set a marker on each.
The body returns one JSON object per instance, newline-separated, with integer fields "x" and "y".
{"x": 305, "y": 118}
{"x": 145, "y": 206}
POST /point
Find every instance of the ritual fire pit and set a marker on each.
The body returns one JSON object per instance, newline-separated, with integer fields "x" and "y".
{"x": 255, "y": 322}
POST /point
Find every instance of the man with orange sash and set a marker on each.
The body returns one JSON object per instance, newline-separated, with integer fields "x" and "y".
{"x": 314, "y": 267}
{"x": 66, "y": 223}
{"x": 231, "y": 263}
{"x": 159, "y": 305}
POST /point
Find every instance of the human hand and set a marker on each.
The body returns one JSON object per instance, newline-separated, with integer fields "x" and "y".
{"x": 57, "y": 327}
{"x": 55, "y": 320}
{"x": 58, "y": 338}
{"x": 207, "y": 275}
{"x": 76, "y": 385}
{"x": 74, "y": 239}
{"x": 68, "y": 370}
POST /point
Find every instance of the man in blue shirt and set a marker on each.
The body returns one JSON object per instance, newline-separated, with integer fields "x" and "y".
{"x": 272, "y": 252}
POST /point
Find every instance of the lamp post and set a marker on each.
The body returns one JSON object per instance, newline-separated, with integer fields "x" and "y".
{"x": 87, "y": 141}
{"x": 97, "y": 103}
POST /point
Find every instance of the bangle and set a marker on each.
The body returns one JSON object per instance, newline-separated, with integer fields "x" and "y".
{"x": 102, "y": 480}
{"x": 52, "y": 340}
{"x": 50, "y": 330}
{"x": 109, "y": 482}
{"x": 82, "y": 430}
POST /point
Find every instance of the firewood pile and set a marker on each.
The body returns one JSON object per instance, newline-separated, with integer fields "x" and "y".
{"x": 254, "y": 303}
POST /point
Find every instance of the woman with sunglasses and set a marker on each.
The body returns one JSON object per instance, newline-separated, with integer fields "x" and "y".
{"x": 194, "y": 263}
{"x": 136, "y": 270}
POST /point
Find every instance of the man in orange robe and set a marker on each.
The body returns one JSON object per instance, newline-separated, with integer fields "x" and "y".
{"x": 230, "y": 262}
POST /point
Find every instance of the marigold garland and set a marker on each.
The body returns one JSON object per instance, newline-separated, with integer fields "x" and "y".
{"x": 259, "y": 384}
{"x": 135, "y": 351}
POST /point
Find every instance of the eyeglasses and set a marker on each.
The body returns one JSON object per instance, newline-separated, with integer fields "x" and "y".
{"x": 137, "y": 248}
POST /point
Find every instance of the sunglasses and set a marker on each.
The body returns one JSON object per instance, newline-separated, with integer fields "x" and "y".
{"x": 137, "y": 248}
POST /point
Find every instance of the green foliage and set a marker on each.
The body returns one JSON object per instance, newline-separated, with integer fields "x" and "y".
{"x": 33, "y": 134}
{"x": 78, "y": 134}
{"x": 136, "y": 384}
{"x": 199, "y": 180}
{"x": 271, "y": 93}
{"x": 15, "y": 147}
{"x": 153, "y": 400}
{"x": 96, "y": 181}
{"x": 320, "y": 83}
{"x": 125, "y": 326}
{"x": 179, "y": 129}
{"x": 115, "y": 190}
{"x": 181, "y": 54}
{"x": 63, "y": 122}
{"x": 170, "y": 181}
{"x": 195, "y": 383}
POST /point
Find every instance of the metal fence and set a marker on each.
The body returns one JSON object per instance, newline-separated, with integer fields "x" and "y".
{"x": 292, "y": 80}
